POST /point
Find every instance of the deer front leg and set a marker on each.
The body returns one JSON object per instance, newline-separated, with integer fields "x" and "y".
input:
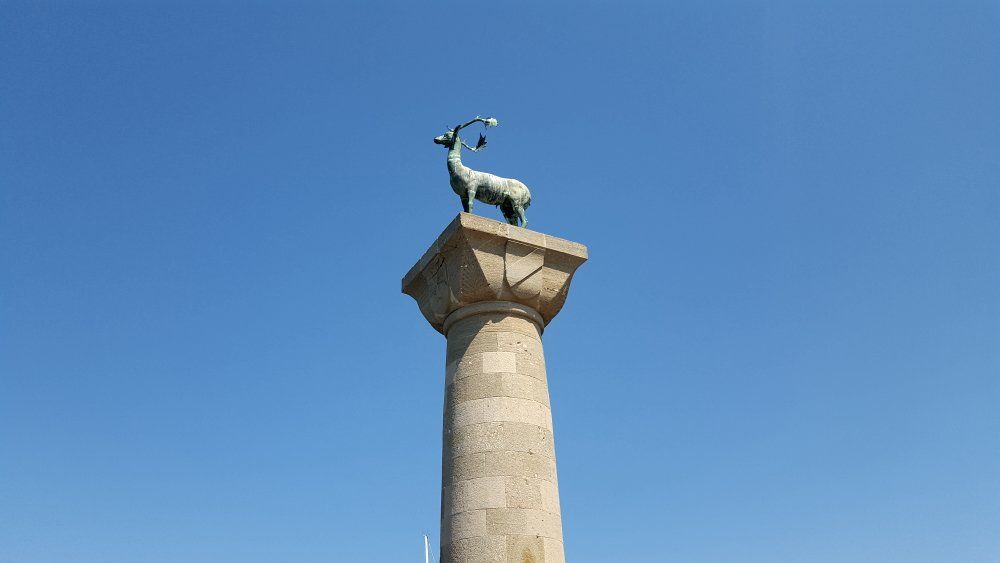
{"x": 465, "y": 204}
{"x": 471, "y": 198}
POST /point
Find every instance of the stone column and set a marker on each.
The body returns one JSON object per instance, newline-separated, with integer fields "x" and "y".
{"x": 491, "y": 288}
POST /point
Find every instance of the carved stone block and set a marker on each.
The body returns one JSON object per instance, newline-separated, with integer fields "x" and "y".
{"x": 478, "y": 259}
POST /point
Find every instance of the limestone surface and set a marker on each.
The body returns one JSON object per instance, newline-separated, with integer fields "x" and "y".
{"x": 479, "y": 259}
{"x": 491, "y": 288}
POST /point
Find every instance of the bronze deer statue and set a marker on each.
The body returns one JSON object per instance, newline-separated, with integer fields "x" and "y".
{"x": 511, "y": 196}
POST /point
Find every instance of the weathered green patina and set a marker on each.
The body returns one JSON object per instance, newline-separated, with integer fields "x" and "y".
{"x": 511, "y": 196}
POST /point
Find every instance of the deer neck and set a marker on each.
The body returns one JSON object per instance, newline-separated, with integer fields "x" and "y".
{"x": 455, "y": 156}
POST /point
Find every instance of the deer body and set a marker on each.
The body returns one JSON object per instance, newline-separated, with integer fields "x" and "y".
{"x": 511, "y": 196}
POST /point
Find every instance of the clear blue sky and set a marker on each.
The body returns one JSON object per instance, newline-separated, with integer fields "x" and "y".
{"x": 785, "y": 346}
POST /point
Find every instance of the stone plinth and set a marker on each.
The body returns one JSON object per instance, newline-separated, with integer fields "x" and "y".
{"x": 491, "y": 288}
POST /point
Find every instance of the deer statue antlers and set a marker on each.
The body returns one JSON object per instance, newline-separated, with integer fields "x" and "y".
{"x": 488, "y": 122}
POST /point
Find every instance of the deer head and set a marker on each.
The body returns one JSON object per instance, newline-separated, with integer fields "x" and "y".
{"x": 447, "y": 139}
{"x": 450, "y": 137}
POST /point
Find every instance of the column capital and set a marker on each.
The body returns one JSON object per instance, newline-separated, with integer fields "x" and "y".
{"x": 478, "y": 259}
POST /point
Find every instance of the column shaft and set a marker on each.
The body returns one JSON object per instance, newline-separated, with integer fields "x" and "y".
{"x": 500, "y": 498}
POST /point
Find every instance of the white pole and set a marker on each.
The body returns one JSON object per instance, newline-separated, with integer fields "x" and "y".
{"x": 427, "y": 550}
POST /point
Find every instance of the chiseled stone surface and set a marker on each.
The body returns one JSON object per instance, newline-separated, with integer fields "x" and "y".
{"x": 499, "y": 469}
{"x": 491, "y": 288}
{"x": 479, "y": 259}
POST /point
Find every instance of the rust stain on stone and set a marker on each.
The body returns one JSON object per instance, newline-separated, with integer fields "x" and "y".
{"x": 527, "y": 557}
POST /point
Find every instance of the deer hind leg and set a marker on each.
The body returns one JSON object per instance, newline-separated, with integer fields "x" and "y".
{"x": 508, "y": 213}
{"x": 521, "y": 217}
